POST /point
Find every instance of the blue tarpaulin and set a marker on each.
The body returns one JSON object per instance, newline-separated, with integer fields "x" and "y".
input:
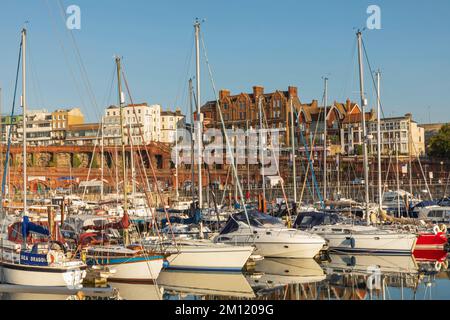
{"x": 28, "y": 227}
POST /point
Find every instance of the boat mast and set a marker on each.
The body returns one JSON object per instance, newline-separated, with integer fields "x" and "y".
{"x": 177, "y": 193}
{"x": 364, "y": 129}
{"x": 191, "y": 92}
{"x": 102, "y": 163}
{"x": 24, "y": 106}
{"x": 380, "y": 190}
{"x": 294, "y": 168}
{"x": 199, "y": 115}
{"x": 124, "y": 169}
{"x": 325, "y": 140}
{"x": 261, "y": 144}
{"x": 133, "y": 170}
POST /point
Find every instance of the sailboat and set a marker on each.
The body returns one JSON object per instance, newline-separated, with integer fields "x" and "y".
{"x": 204, "y": 255}
{"x": 32, "y": 254}
{"x": 128, "y": 263}
{"x": 350, "y": 237}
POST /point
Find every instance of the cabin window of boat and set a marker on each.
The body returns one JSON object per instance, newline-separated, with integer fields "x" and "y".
{"x": 258, "y": 220}
{"x": 435, "y": 214}
{"x": 306, "y": 220}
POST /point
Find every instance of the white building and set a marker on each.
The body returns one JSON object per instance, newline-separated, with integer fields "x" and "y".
{"x": 39, "y": 128}
{"x": 400, "y": 134}
{"x": 170, "y": 121}
{"x": 142, "y": 122}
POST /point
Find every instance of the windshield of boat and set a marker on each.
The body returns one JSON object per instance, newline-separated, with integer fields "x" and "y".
{"x": 259, "y": 220}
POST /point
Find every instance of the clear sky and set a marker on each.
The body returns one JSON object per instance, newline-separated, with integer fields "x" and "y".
{"x": 249, "y": 42}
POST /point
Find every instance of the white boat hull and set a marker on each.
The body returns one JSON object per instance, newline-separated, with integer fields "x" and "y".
{"x": 140, "y": 272}
{"x": 288, "y": 250}
{"x": 209, "y": 283}
{"x": 43, "y": 276}
{"x": 209, "y": 258}
{"x": 372, "y": 243}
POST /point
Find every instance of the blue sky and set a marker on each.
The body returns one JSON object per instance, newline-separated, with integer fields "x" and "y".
{"x": 269, "y": 43}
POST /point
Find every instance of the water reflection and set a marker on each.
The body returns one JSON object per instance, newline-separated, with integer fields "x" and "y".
{"x": 195, "y": 285}
{"x": 270, "y": 274}
{"x": 340, "y": 277}
{"x": 127, "y": 291}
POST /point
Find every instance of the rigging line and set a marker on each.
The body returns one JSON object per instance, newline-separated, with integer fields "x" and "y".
{"x": 35, "y": 74}
{"x": 309, "y": 155}
{"x": 233, "y": 164}
{"x": 313, "y": 176}
{"x": 376, "y": 93}
{"x": 81, "y": 64}
{"x": 35, "y": 90}
{"x": 382, "y": 110}
{"x": 303, "y": 165}
{"x": 63, "y": 49}
{"x": 148, "y": 156}
{"x": 349, "y": 83}
{"x": 277, "y": 165}
{"x": 187, "y": 68}
{"x": 8, "y": 150}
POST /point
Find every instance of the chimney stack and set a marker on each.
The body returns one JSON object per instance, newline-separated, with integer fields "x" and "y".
{"x": 224, "y": 94}
{"x": 293, "y": 92}
{"x": 348, "y": 104}
{"x": 258, "y": 91}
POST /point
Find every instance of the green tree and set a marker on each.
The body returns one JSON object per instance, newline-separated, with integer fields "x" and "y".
{"x": 358, "y": 150}
{"x": 76, "y": 163}
{"x": 440, "y": 144}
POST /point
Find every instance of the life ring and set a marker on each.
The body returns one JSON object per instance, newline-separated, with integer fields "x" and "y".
{"x": 436, "y": 229}
{"x": 443, "y": 228}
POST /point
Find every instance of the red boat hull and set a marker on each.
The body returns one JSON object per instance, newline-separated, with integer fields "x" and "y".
{"x": 431, "y": 241}
{"x": 430, "y": 255}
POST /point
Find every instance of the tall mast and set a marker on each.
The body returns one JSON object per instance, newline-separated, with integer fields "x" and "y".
{"x": 199, "y": 115}
{"x": 102, "y": 164}
{"x": 133, "y": 170}
{"x": 380, "y": 190}
{"x": 325, "y": 140}
{"x": 177, "y": 193}
{"x": 24, "y": 106}
{"x": 364, "y": 129}
{"x": 261, "y": 145}
{"x": 191, "y": 92}
{"x": 121, "y": 102}
{"x": 294, "y": 167}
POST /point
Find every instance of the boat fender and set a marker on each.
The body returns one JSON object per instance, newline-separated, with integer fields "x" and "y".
{"x": 438, "y": 266}
{"x": 352, "y": 242}
{"x": 436, "y": 229}
{"x": 52, "y": 257}
{"x": 83, "y": 256}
